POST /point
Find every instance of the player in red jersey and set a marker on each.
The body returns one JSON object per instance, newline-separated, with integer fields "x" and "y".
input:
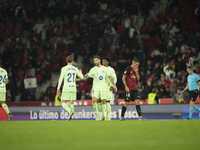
{"x": 129, "y": 79}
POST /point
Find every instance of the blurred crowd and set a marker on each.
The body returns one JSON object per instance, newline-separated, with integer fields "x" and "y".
{"x": 36, "y": 36}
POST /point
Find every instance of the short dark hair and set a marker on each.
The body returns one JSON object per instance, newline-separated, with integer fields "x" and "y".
{"x": 96, "y": 56}
{"x": 190, "y": 67}
{"x": 136, "y": 60}
{"x": 107, "y": 59}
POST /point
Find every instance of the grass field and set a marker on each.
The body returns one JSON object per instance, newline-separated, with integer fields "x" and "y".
{"x": 114, "y": 135}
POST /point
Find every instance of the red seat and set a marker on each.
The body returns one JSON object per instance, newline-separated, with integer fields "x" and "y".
{"x": 51, "y": 32}
{"x": 75, "y": 31}
{"x": 59, "y": 32}
{"x": 65, "y": 53}
{"x": 121, "y": 31}
{"x": 151, "y": 23}
{"x": 17, "y": 33}
{"x": 55, "y": 67}
{"x": 67, "y": 31}
{"x": 9, "y": 26}
{"x": 174, "y": 16}
{"x": 20, "y": 74}
{"x": 8, "y": 33}
{"x": 38, "y": 78}
{"x": 18, "y": 26}
{"x": 190, "y": 26}
{"x": 41, "y": 56}
{"x": 160, "y": 17}
{"x": 183, "y": 27}
{"x": 142, "y": 29}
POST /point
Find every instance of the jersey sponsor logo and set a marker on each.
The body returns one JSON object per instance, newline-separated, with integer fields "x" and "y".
{"x": 100, "y": 77}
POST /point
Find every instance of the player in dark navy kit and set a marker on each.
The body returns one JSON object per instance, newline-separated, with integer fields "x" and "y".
{"x": 130, "y": 78}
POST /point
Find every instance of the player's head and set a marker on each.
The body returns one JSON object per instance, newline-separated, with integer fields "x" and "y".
{"x": 97, "y": 60}
{"x": 105, "y": 61}
{"x": 135, "y": 62}
{"x": 190, "y": 70}
{"x": 70, "y": 59}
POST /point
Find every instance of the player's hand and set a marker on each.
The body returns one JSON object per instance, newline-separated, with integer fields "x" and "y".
{"x": 58, "y": 92}
{"x": 135, "y": 69}
{"x": 111, "y": 88}
{"x": 127, "y": 89}
{"x": 80, "y": 70}
{"x": 115, "y": 88}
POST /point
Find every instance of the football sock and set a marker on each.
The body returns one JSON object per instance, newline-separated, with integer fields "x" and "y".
{"x": 108, "y": 109}
{"x": 95, "y": 108}
{"x": 191, "y": 112}
{"x": 104, "y": 109}
{"x": 72, "y": 107}
{"x": 123, "y": 111}
{"x": 197, "y": 109}
{"x": 138, "y": 108}
{"x": 100, "y": 106}
{"x": 66, "y": 107}
{"x": 5, "y": 107}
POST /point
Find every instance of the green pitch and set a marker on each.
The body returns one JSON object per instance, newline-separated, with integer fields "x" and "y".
{"x": 100, "y": 135}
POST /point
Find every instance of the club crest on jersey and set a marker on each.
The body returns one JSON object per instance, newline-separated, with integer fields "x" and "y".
{"x": 100, "y": 78}
{"x": 133, "y": 76}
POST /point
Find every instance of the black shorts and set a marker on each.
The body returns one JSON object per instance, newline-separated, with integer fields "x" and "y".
{"x": 193, "y": 95}
{"x": 132, "y": 95}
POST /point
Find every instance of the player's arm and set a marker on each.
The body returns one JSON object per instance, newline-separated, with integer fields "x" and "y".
{"x": 114, "y": 76}
{"x": 186, "y": 88}
{"x": 59, "y": 83}
{"x": 124, "y": 82}
{"x": 6, "y": 81}
{"x": 112, "y": 81}
{"x": 137, "y": 74}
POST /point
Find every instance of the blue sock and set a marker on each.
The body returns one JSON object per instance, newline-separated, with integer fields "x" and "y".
{"x": 191, "y": 112}
{"x": 197, "y": 109}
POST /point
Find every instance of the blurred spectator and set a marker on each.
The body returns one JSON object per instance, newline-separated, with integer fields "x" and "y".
{"x": 180, "y": 65}
{"x": 170, "y": 73}
{"x": 26, "y": 25}
{"x": 41, "y": 98}
{"x": 179, "y": 97}
{"x": 31, "y": 94}
{"x": 49, "y": 88}
{"x": 18, "y": 97}
{"x": 152, "y": 97}
{"x": 82, "y": 88}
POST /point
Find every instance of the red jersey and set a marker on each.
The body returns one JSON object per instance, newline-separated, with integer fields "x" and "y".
{"x": 131, "y": 79}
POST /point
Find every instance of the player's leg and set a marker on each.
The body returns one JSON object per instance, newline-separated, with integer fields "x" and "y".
{"x": 103, "y": 96}
{"x": 193, "y": 96}
{"x": 64, "y": 98}
{"x": 94, "y": 103}
{"x": 108, "y": 106}
{"x": 99, "y": 104}
{"x": 103, "y": 102}
{"x": 138, "y": 108}
{"x": 124, "y": 107}
{"x": 5, "y": 106}
{"x": 192, "y": 105}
